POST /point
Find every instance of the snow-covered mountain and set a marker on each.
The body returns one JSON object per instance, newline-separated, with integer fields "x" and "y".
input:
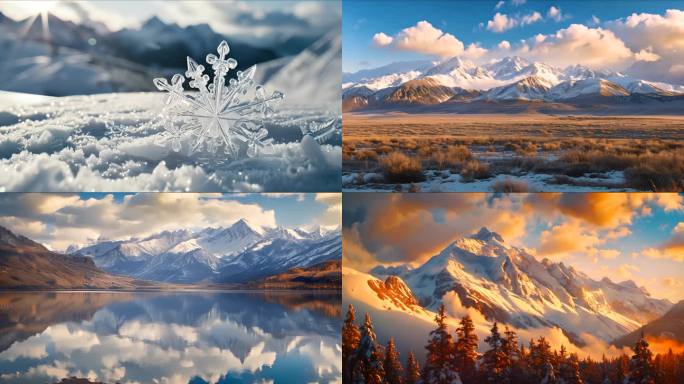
{"x": 321, "y": 60}
{"x": 504, "y": 80}
{"x": 87, "y": 58}
{"x": 238, "y": 253}
{"x": 507, "y": 284}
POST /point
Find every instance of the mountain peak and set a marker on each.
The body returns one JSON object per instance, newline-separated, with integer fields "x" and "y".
{"x": 486, "y": 235}
{"x": 153, "y": 22}
{"x": 515, "y": 60}
{"x": 244, "y": 225}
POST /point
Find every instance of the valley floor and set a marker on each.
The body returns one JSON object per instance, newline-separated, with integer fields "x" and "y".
{"x": 512, "y": 153}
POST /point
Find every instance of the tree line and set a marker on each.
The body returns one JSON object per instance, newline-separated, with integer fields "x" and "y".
{"x": 454, "y": 359}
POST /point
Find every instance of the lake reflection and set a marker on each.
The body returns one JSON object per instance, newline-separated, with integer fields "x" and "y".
{"x": 197, "y": 337}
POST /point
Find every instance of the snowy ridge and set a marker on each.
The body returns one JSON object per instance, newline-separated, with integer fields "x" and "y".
{"x": 507, "y": 284}
{"x": 237, "y": 253}
{"x": 510, "y": 78}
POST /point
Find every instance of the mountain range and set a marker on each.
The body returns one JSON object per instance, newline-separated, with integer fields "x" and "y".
{"x": 87, "y": 58}
{"x": 505, "y": 284}
{"x": 509, "y": 84}
{"x": 239, "y": 253}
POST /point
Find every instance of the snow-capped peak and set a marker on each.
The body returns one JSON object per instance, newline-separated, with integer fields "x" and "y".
{"x": 507, "y": 283}
{"x": 486, "y": 235}
{"x": 507, "y": 67}
{"x": 243, "y": 226}
{"x": 450, "y": 65}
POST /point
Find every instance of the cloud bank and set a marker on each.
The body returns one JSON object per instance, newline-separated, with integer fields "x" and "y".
{"x": 64, "y": 219}
{"x": 645, "y": 45}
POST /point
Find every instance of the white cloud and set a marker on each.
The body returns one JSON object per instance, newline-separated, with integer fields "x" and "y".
{"x": 504, "y": 44}
{"x": 381, "y": 40}
{"x": 499, "y": 4}
{"x": 531, "y": 18}
{"x": 593, "y": 47}
{"x": 659, "y": 41}
{"x": 672, "y": 249}
{"x": 501, "y": 22}
{"x": 555, "y": 13}
{"x": 646, "y": 55}
{"x": 332, "y": 216}
{"x": 423, "y": 38}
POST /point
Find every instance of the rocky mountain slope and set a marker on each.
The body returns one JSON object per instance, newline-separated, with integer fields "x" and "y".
{"x": 511, "y": 79}
{"x": 326, "y": 275}
{"x": 668, "y": 326}
{"x": 25, "y": 264}
{"x": 239, "y": 253}
{"x": 507, "y": 284}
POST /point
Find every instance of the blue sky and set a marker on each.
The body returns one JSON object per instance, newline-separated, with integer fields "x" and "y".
{"x": 635, "y": 236}
{"x": 362, "y": 20}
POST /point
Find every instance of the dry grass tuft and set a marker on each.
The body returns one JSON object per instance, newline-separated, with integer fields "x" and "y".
{"x": 400, "y": 168}
{"x": 475, "y": 170}
{"x": 658, "y": 173}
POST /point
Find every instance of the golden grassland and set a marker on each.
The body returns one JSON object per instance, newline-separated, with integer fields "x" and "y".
{"x": 648, "y": 149}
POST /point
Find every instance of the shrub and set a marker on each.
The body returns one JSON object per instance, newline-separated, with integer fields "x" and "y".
{"x": 400, "y": 168}
{"x": 474, "y": 169}
{"x": 366, "y": 154}
{"x": 657, "y": 172}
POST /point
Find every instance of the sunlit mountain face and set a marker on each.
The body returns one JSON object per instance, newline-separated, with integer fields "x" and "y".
{"x": 170, "y": 337}
{"x": 586, "y": 271}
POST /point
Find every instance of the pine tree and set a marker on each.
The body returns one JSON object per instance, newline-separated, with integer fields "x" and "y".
{"x": 465, "y": 349}
{"x": 510, "y": 345}
{"x": 549, "y": 375}
{"x": 439, "y": 367}
{"x": 394, "y": 372}
{"x": 569, "y": 371}
{"x": 520, "y": 373}
{"x": 368, "y": 367}
{"x": 540, "y": 360}
{"x": 494, "y": 359}
{"x": 641, "y": 370}
{"x": 622, "y": 369}
{"x": 412, "y": 370}
{"x": 350, "y": 341}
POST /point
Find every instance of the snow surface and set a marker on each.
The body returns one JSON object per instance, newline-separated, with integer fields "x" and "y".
{"x": 536, "y": 182}
{"x": 115, "y": 142}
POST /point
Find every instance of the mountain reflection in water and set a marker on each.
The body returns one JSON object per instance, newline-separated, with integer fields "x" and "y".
{"x": 170, "y": 337}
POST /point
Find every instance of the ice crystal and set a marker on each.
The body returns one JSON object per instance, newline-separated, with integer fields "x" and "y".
{"x": 216, "y": 115}
{"x": 322, "y": 131}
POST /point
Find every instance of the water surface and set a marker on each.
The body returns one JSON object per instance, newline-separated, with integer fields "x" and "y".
{"x": 170, "y": 337}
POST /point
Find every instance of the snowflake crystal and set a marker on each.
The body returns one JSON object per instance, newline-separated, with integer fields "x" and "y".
{"x": 215, "y": 114}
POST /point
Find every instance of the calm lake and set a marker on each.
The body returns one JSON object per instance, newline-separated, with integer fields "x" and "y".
{"x": 171, "y": 337}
